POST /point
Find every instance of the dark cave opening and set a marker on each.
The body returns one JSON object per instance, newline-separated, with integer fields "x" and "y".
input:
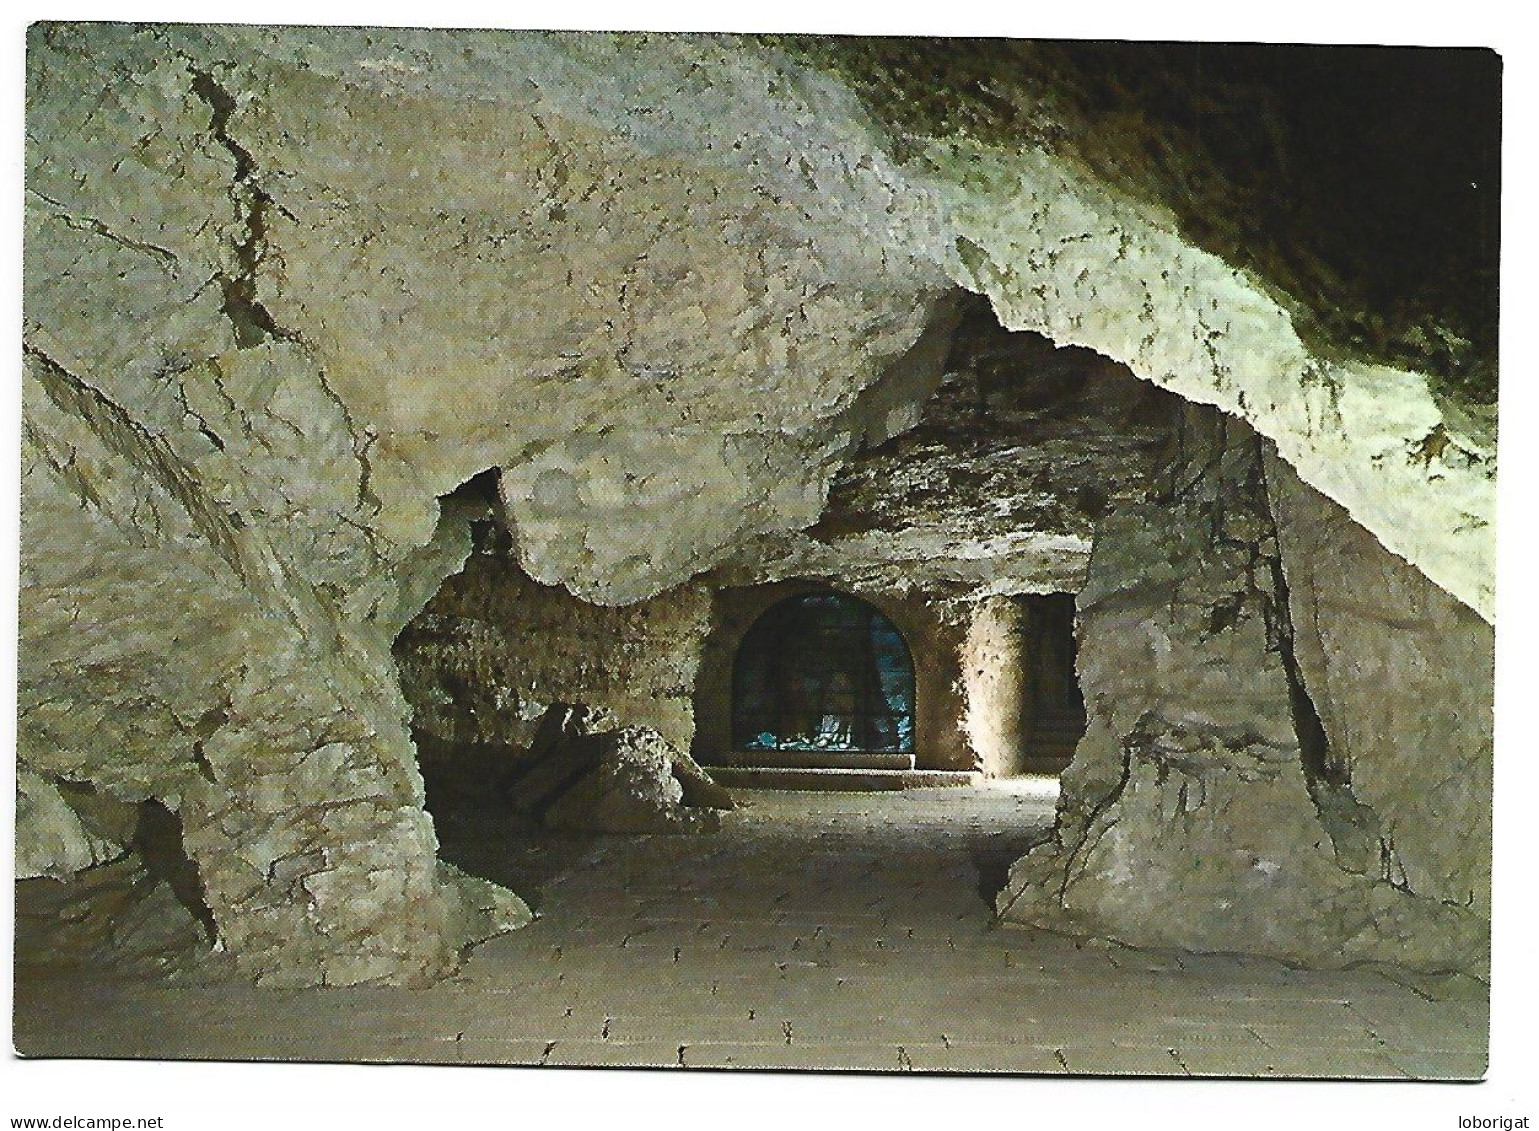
{"x": 1053, "y": 701}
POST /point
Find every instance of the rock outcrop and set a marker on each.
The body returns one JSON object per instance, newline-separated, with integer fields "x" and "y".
{"x": 1402, "y": 677}
{"x": 474, "y": 680}
{"x": 65, "y": 830}
{"x": 996, "y": 488}
{"x": 1210, "y": 806}
{"x": 584, "y": 773}
{"x": 1127, "y": 198}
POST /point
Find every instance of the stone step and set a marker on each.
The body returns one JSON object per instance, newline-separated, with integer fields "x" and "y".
{"x": 812, "y": 760}
{"x": 852, "y": 780}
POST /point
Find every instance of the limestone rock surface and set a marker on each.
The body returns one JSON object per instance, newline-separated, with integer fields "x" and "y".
{"x": 52, "y": 837}
{"x": 1402, "y": 676}
{"x": 585, "y": 774}
{"x": 998, "y": 486}
{"x": 475, "y": 679}
{"x": 1059, "y": 254}
{"x": 118, "y": 915}
{"x": 1208, "y": 807}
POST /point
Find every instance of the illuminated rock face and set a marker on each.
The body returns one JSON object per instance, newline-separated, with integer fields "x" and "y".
{"x": 1060, "y": 256}
{"x": 286, "y": 289}
{"x": 1233, "y": 630}
{"x": 1401, "y": 675}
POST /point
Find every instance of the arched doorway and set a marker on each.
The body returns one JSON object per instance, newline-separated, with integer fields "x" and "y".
{"x": 823, "y": 671}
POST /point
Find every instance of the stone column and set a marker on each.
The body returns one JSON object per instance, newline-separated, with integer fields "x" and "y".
{"x": 993, "y": 677}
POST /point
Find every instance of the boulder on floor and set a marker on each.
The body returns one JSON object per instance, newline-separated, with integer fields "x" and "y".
{"x": 587, "y": 773}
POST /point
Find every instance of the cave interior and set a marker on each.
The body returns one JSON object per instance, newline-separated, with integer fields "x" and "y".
{"x": 789, "y": 510}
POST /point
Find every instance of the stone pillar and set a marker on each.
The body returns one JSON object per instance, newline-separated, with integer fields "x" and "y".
{"x": 1402, "y": 676}
{"x": 1205, "y": 809}
{"x": 224, "y": 685}
{"x": 317, "y": 860}
{"x": 993, "y": 678}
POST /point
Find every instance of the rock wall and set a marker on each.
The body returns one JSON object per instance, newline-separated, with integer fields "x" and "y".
{"x": 1402, "y": 677}
{"x": 266, "y": 327}
{"x": 60, "y": 835}
{"x": 996, "y": 487}
{"x": 1208, "y": 806}
{"x": 494, "y": 649}
{"x": 1059, "y": 254}
{"x": 172, "y": 650}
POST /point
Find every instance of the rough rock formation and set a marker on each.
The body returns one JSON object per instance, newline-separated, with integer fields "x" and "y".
{"x": 1401, "y": 675}
{"x": 996, "y": 488}
{"x": 62, "y": 838}
{"x": 1209, "y": 806}
{"x": 119, "y": 913}
{"x": 287, "y": 289}
{"x": 1095, "y": 198}
{"x": 1300, "y": 166}
{"x": 585, "y": 773}
{"x": 473, "y": 679}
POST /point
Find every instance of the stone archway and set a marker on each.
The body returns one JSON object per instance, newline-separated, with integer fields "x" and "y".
{"x": 932, "y": 643}
{"x": 824, "y": 674}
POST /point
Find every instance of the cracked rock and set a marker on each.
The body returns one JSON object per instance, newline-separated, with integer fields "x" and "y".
{"x": 584, "y": 774}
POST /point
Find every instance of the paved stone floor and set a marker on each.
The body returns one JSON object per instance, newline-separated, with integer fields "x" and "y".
{"x": 814, "y": 931}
